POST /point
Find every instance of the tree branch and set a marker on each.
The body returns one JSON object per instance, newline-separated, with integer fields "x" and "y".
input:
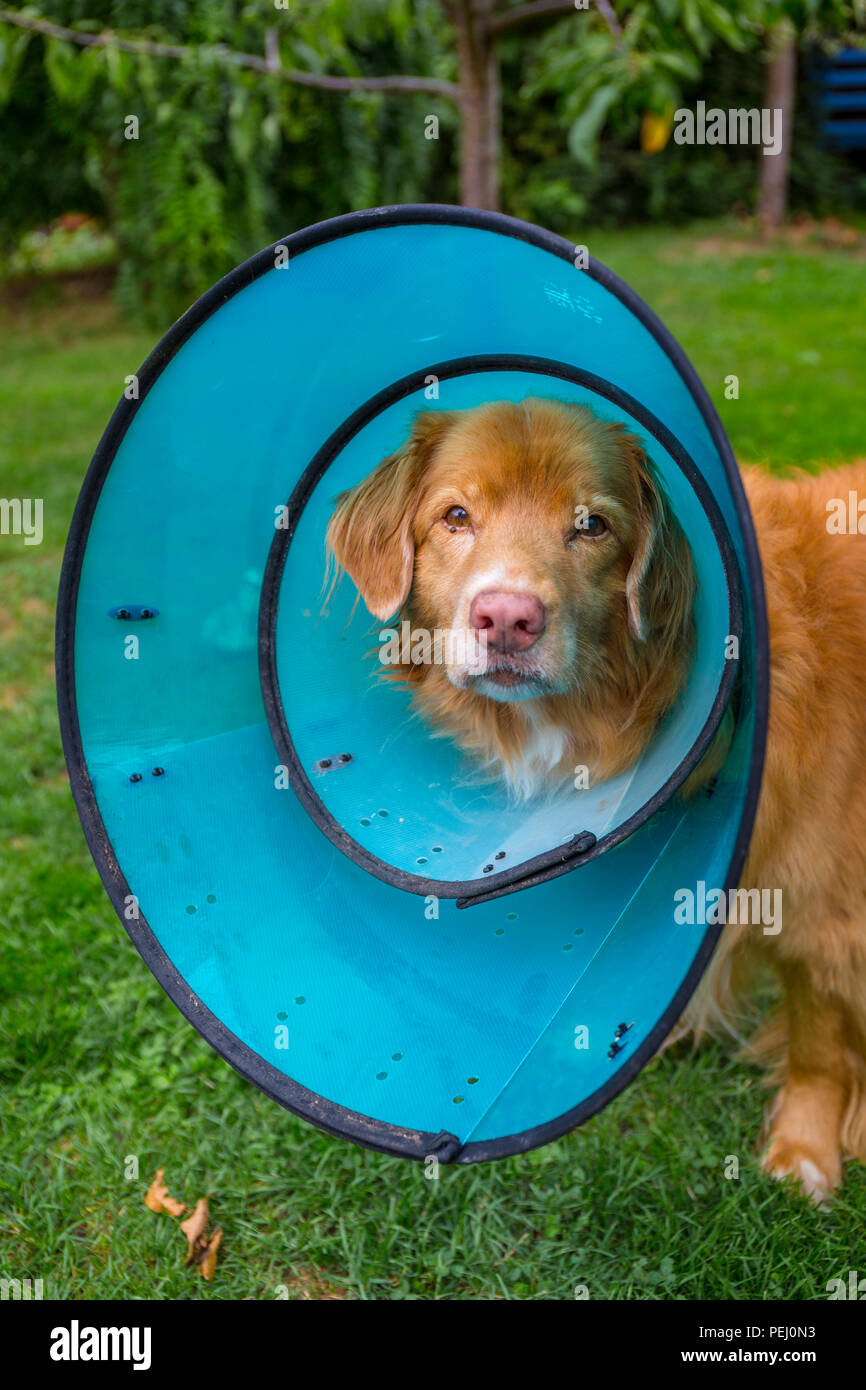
{"x": 467, "y": 23}
{"x": 235, "y": 59}
{"x": 605, "y": 9}
{"x": 524, "y": 14}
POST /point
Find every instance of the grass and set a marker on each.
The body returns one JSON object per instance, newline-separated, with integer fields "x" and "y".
{"x": 99, "y": 1069}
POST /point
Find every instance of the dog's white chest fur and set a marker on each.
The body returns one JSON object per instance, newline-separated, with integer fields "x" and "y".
{"x": 543, "y": 749}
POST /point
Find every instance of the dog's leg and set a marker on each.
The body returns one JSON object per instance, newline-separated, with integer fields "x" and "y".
{"x": 805, "y": 1122}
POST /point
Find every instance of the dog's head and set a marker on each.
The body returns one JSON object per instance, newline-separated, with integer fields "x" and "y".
{"x": 538, "y": 528}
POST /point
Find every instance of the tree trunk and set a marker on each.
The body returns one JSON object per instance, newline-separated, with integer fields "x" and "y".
{"x": 779, "y": 95}
{"x": 480, "y": 105}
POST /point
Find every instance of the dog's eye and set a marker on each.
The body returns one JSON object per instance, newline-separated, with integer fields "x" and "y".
{"x": 456, "y": 518}
{"x": 591, "y": 527}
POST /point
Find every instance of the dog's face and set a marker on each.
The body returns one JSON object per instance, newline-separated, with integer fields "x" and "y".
{"x": 536, "y": 528}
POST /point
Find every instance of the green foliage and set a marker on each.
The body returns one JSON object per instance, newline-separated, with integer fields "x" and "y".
{"x": 13, "y": 46}
{"x": 608, "y": 80}
{"x": 226, "y": 159}
{"x": 595, "y": 92}
{"x": 813, "y": 19}
{"x": 42, "y": 147}
{"x": 662, "y": 47}
{"x": 544, "y": 183}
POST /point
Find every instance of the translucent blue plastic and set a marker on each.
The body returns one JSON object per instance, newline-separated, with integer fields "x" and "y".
{"x": 465, "y": 1021}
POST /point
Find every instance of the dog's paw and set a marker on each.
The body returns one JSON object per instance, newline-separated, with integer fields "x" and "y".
{"x": 818, "y": 1176}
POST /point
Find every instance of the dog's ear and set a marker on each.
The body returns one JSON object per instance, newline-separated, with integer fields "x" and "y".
{"x": 660, "y": 585}
{"x": 371, "y": 531}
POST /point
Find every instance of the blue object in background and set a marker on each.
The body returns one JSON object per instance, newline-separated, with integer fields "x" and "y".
{"x": 391, "y": 1017}
{"x": 841, "y": 81}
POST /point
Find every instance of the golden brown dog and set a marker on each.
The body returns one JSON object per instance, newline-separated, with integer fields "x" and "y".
{"x": 540, "y": 527}
{"x": 541, "y": 530}
{"x": 810, "y": 833}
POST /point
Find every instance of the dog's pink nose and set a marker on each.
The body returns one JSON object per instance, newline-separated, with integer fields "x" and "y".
{"x": 512, "y": 622}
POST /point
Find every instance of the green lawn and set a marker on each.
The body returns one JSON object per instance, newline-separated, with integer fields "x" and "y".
{"x": 97, "y": 1065}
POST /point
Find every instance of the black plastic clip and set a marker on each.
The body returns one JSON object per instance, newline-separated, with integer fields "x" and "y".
{"x": 617, "y": 1046}
{"x": 445, "y": 1147}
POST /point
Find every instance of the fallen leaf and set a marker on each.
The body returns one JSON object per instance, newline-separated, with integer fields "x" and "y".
{"x": 193, "y": 1228}
{"x": 157, "y": 1197}
{"x": 209, "y": 1258}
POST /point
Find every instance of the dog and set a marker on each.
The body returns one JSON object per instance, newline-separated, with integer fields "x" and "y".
{"x": 541, "y": 530}
{"x": 557, "y": 546}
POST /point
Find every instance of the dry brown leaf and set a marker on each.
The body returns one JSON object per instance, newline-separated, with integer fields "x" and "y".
{"x": 193, "y": 1228}
{"x": 209, "y": 1257}
{"x": 202, "y": 1248}
{"x": 152, "y": 1197}
{"x": 157, "y": 1197}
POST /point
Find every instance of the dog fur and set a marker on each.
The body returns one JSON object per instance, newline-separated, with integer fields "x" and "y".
{"x": 592, "y": 686}
{"x": 619, "y": 633}
{"x": 809, "y": 837}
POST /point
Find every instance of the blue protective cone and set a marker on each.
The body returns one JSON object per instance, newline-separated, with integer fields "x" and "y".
{"x": 288, "y": 852}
